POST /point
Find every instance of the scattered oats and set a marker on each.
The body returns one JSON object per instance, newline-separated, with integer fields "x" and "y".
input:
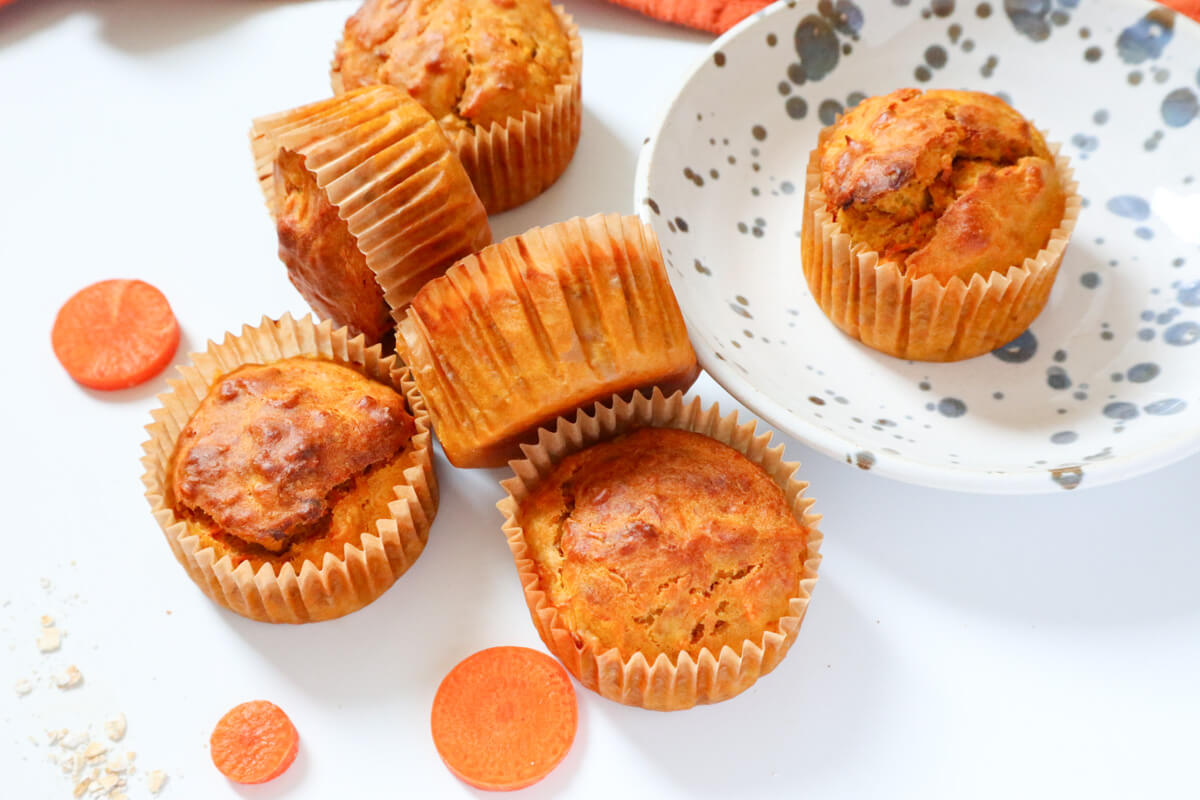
{"x": 23, "y": 687}
{"x": 117, "y": 764}
{"x": 81, "y": 787}
{"x": 79, "y": 764}
{"x": 49, "y": 640}
{"x": 73, "y": 740}
{"x": 118, "y": 796}
{"x": 46, "y": 584}
{"x": 47, "y": 621}
{"x": 115, "y": 728}
{"x": 130, "y": 755}
{"x": 94, "y": 749}
{"x": 69, "y": 679}
{"x": 156, "y": 780}
{"x": 108, "y": 781}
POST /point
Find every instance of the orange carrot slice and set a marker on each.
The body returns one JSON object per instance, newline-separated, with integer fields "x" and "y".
{"x": 115, "y": 334}
{"x": 504, "y": 718}
{"x": 254, "y": 742}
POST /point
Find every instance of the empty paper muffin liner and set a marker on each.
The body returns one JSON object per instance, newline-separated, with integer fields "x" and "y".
{"x": 386, "y": 166}
{"x": 541, "y": 324}
{"x": 338, "y": 585}
{"x": 667, "y": 683}
{"x": 924, "y": 319}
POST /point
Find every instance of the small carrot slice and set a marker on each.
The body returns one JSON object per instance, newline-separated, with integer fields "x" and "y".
{"x": 504, "y": 718}
{"x": 254, "y": 742}
{"x": 115, "y": 334}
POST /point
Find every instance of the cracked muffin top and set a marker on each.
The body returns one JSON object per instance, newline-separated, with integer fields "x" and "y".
{"x": 280, "y": 453}
{"x": 662, "y": 541}
{"x": 945, "y": 183}
{"x": 470, "y": 63}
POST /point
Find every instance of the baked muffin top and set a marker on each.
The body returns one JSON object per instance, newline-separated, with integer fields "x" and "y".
{"x": 271, "y": 447}
{"x": 943, "y": 182}
{"x": 662, "y": 541}
{"x": 471, "y": 63}
{"x": 324, "y": 261}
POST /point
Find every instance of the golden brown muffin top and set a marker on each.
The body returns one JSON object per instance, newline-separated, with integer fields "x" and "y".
{"x": 271, "y": 444}
{"x": 943, "y": 182}
{"x": 324, "y": 261}
{"x": 471, "y": 63}
{"x": 662, "y": 541}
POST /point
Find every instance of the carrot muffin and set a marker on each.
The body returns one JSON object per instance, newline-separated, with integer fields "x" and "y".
{"x": 539, "y": 325}
{"x": 502, "y": 77}
{"x": 662, "y": 546}
{"x": 369, "y": 202}
{"x": 946, "y": 214}
{"x": 288, "y": 472}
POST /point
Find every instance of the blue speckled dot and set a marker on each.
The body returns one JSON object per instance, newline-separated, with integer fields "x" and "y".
{"x": 1019, "y": 350}
{"x": 1064, "y": 437}
{"x": 1146, "y": 334}
{"x": 1164, "y": 408}
{"x": 1141, "y": 373}
{"x": 1142, "y": 232}
{"x": 1129, "y": 206}
{"x": 1182, "y": 334}
{"x": 951, "y": 407}
{"x": 1120, "y": 410}
{"x": 1090, "y": 280}
{"x": 1189, "y": 294}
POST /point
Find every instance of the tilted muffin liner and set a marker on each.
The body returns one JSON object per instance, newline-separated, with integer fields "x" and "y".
{"x": 541, "y": 324}
{"x": 924, "y": 319}
{"x": 386, "y": 166}
{"x": 666, "y": 683}
{"x": 338, "y": 585}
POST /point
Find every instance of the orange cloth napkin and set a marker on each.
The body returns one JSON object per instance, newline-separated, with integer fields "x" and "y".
{"x": 718, "y": 16}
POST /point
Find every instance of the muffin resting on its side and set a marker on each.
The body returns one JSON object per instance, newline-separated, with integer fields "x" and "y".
{"x": 664, "y": 541}
{"x": 286, "y": 461}
{"x": 502, "y": 78}
{"x": 369, "y": 200}
{"x": 539, "y": 325}
{"x": 934, "y": 223}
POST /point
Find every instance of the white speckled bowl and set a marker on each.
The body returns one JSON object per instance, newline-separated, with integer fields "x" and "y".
{"x": 1106, "y": 383}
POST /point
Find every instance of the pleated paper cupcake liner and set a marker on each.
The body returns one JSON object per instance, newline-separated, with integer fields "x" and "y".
{"x": 924, "y": 319}
{"x": 340, "y": 584}
{"x": 538, "y": 325}
{"x": 666, "y": 683}
{"x": 386, "y": 166}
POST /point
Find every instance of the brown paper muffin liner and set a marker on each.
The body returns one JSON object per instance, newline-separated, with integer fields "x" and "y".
{"x": 923, "y": 319}
{"x": 318, "y": 591}
{"x": 538, "y": 325}
{"x": 666, "y": 684}
{"x": 513, "y": 163}
{"x": 386, "y": 166}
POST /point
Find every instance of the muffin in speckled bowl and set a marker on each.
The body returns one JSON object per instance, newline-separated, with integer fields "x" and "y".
{"x": 501, "y": 78}
{"x": 934, "y": 223}
{"x": 667, "y": 553}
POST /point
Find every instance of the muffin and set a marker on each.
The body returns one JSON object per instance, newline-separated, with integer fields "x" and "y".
{"x": 934, "y": 223}
{"x": 502, "y": 78}
{"x": 369, "y": 202}
{"x": 290, "y": 470}
{"x": 667, "y": 553}
{"x": 541, "y": 324}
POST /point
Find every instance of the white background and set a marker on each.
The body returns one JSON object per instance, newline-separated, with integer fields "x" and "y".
{"x": 956, "y": 646}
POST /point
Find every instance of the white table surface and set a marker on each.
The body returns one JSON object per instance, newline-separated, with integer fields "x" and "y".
{"x": 956, "y": 646}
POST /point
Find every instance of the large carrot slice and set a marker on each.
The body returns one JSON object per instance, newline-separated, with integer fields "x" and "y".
{"x": 254, "y": 742}
{"x": 115, "y": 334}
{"x": 504, "y": 718}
